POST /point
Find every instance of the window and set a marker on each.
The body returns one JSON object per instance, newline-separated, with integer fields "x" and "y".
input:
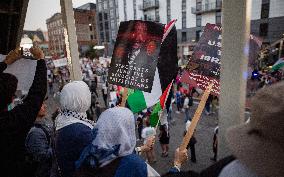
{"x": 111, "y": 3}
{"x": 157, "y": 16}
{"x": 106, "y": 25}
{"x": 101, "y": 27}
{"x": 198, "y": 20}
{"x": 198, "y": 6}
{"x": 113, "y": 35}
{"x": 92, "y": 37}
{"x": 111, "y": 13}
{"x": 168, "y": 11}
{"x": 105, "y": 4}
{"x": 183, "y": 23}
{"x": 100, "y": 16}
{"x": 183, "y": 14}
{"x": 218, "y": 18}
{"x": 107, "y": 36}
{"x": 134, "y": 7}
{"x": 263, "y": 29}
{"x": 124, "y": 9}
{"x": 219, "y": 3}
{"x": 102, "y": 36}
{"x": 112, "y": 24}
{"x": 197, "y": 35}
{"x": 91, "y": 28}
{"x": 265, "y": 10}
{"x": 183, "y": 36}
{"x": 99, "y": 7}
{"x": 105, "y": 14}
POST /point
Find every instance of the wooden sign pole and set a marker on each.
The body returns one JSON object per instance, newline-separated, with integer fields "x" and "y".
{"x": 196, "y": 118}
{"x": 124, "y": 97}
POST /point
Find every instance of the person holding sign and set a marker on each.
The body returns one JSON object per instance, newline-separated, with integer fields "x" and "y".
{"x": 16, "y": 122}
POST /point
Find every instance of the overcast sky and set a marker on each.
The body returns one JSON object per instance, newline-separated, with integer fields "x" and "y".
{"x": 40, "y": 10}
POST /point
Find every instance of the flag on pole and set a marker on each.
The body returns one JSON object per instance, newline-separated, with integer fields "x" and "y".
{"x": 160, "y": 106}
{"x": 278, "y": 65}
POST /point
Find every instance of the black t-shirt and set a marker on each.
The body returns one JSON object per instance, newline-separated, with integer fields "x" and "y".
{"x": 140, "y": 121}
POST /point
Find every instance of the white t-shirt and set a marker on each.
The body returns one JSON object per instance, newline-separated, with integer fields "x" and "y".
{"x": 185, "y": 104}
{"x": 148, "y": 132}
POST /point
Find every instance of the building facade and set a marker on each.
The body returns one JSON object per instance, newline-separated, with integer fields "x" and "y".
{"x": 267, "y": 20}
{"x": 191, "y": 15}
{"x": 56, "y": 38}
{"x": 85, "y": 22}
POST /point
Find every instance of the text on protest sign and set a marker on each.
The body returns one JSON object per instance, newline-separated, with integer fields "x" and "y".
{"x": 204, "y": 66}
{"x": 135, "y": 55}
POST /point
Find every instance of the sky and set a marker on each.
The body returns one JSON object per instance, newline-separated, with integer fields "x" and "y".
{"x": 40, "y": 10}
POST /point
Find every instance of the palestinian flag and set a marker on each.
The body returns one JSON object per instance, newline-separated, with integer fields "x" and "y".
{"x": 278, "y": 65}
{"x": 139, "y": 100}
{"x": 160, "y": 106}
{"x": 166, "y": 71}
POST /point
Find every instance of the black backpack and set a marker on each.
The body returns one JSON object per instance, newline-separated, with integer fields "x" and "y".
{"x": 30, "y": 164}
{"x": 190, "y": 101}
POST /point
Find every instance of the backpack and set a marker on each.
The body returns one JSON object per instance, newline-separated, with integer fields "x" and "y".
{"x": 190, "y": 101}
{"x": 30, "y": 164}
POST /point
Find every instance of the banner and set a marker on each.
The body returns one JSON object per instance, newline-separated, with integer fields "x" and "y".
{"x": 24, "y": 70}
{"x": 60, "y": 62}
{"x": 204, "y": 66}
{"x": 136, "y": 54}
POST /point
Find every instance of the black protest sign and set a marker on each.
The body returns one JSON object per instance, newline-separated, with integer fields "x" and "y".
{"x": 204, "y": 66}
{"x": 135, "y": 54}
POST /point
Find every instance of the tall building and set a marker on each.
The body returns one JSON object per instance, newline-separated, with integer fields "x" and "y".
{"x": 85, "y": 22}
{"x": 192, "y": 16}
{"x": 267, "y": 19}
{"x": 56, "y": 38}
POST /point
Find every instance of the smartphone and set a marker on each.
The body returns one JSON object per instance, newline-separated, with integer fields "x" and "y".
{"x": 26, "y": 54}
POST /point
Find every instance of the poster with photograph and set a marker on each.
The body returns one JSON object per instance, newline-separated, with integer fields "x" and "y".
{"x": 136, "y": 54}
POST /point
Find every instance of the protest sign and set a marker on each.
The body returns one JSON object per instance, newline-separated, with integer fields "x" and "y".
{"x": 24, "y": 70}
{"x": 135, "y": 55}
{"x": 60, "y": 62}
{"x": 204, "y": 66}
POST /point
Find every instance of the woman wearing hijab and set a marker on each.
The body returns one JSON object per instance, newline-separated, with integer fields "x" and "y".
{"x": 73, "y": 129}
{"x": 111, "y": 153}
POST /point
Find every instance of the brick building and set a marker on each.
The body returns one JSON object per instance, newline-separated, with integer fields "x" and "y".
{"x": 85, "y": 22}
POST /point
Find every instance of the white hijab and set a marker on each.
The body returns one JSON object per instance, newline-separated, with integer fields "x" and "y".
{"x": 75, "y": 100}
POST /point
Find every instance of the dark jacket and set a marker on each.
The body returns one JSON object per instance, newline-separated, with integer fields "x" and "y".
{"x": 38, "y": 146}
{"x": 69, "y": 143}
{"x": 15, "y": 124}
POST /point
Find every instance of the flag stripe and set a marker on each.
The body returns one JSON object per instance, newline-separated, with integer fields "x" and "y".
{"x": 165, "y": 95}
{"x": 136, "y": 101}
{"x": 140, "y": 100}
{"x": 154, "y": 117}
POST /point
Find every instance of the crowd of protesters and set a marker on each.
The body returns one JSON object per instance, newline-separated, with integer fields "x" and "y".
{"x": 74, "y": 145}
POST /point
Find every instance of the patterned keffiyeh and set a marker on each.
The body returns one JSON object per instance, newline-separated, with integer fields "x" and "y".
{"x": 75, "y": 100}
{"x": 113, "y": 137}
